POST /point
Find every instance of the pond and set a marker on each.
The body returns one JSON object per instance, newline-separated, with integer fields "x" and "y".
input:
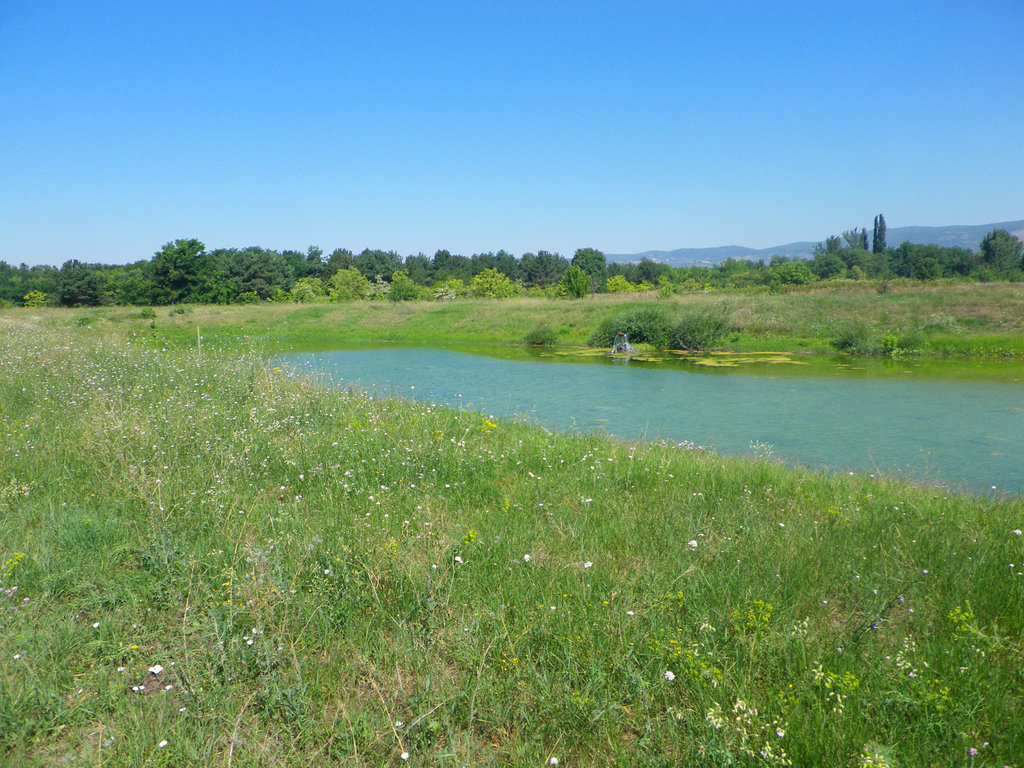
{"x": 963, "y": 427}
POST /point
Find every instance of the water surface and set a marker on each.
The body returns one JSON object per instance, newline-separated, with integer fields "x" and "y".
{"x": 856, "y": 416}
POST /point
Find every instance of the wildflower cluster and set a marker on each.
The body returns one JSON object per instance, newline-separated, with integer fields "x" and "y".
{"x": 12, "y": 591}
{"x": 749, "y": 733}
{"x": 873, "y": 756}
{"x": 838, "y": 688}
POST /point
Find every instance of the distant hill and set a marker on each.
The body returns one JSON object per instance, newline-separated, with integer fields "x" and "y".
{"x": 966, "y": 236}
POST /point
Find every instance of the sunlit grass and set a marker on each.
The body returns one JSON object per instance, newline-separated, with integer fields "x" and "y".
{"x": 968, "y": 319}
{"x": 322, "y": 578}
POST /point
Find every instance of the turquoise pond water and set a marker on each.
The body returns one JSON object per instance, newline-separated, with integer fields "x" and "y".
{"x": 965, "y": 431}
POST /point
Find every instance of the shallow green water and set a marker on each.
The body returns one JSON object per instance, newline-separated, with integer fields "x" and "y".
{"x": 955, "y": 423}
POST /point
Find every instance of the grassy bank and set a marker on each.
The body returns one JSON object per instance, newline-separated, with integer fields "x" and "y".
{"x": 974, "y": 320}
{"x": 206, "y": 562}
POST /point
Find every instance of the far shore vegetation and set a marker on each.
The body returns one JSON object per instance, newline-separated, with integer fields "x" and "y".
{"x": 851, "y": 297}
{"x": 908, "y": 319}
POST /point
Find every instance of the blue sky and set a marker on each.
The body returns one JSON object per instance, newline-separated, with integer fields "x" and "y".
{"x": 475, "y": 126}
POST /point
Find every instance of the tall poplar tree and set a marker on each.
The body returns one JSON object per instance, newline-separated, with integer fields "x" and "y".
{"x": 878, "y": 239}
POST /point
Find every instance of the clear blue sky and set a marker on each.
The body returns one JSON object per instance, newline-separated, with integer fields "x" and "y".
{"x": 479, "y": 125}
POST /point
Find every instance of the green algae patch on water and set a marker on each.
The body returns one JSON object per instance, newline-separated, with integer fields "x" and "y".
{"x": 642, "y": 356}
{"x": 734, "y": 359}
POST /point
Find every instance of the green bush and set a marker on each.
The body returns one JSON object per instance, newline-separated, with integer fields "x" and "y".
{"x": 541, "y": 336}
{"x": 308, "y": 290}
{"x": 856, "y": 338}
{"x": 853, "y": 337}
{"x": 666, "y": 288}
{"x": 402, "y": 287}
{"x": 656, "y": 325}
{"x": 576, "y": 282}
{"x": 348, "y": 284}
{"x": 493, "y": 284}
{"x": 912, "y": 340}
{"x": 619, "y": 284}
{"x": 643, "y": 325}
{"x": 604, "y": 334}
{"x": 35, "y": 299}
{"x": 891, "y": 345}
{"x": 699, "y": 329}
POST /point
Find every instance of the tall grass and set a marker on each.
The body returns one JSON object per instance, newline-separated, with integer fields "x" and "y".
{"x": 977, "y": 319}
{"x": 204, "y": 561}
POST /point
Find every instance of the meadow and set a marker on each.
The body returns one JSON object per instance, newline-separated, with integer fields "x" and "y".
{"x": 908, "y": 318}
{"x": 206, "y": 561}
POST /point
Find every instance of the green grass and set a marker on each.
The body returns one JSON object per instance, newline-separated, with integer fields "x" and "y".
{"x": 328, "y": 579}
{"x": 981, "y": 320}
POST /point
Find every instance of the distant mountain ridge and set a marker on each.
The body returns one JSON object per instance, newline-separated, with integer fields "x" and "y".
{"x": 960, "y": 236}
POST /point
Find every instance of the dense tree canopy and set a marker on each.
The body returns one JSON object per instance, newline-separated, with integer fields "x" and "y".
{"x": 593, "y": 262}
{"x": 543, "y": 268}
{"x": 373, "y": 263}
{"x": 80, "y": 286}
{"x": 255, "y": 270}
{"x": 1001, "y": 251}
{"x": 184, "y": 271}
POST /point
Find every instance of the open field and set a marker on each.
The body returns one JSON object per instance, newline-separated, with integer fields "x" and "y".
{"x": 971, "y": 319}
{"x": 206, "y": 562}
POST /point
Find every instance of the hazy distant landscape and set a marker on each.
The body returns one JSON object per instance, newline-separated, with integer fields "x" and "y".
{"x": 952, "y": 236}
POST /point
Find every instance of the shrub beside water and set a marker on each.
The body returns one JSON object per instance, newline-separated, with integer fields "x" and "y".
{"x": 853, "y": 337}
{"x": 856, "y": 338}
{"x": 657, "y": 325}
{"x": 700, "y": 329}
{"x": 644, "y": 325}
{"x": 541, "y": 336}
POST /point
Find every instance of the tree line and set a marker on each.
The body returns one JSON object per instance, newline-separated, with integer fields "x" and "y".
{"x": 184, "y": 271}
